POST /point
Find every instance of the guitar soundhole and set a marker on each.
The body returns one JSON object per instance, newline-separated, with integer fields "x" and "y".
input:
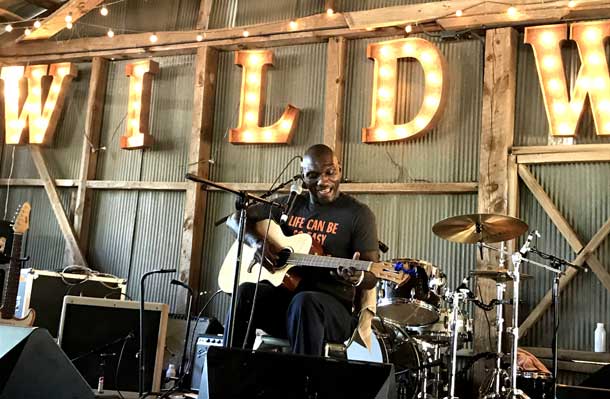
{"x": 283, "y": 257}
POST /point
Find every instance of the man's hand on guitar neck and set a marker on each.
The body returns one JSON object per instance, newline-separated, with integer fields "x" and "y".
{"x": 350, "y": 274}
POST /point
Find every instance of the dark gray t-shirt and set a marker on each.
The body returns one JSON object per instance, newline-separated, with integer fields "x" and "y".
{"x": 341, "y": 227}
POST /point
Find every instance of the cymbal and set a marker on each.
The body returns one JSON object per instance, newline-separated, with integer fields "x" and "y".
{"x": 479, "y": 227}
{"x": 498, "y": 275}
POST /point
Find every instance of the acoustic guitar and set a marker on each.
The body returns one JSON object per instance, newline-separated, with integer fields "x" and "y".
{"x": 7, "y": 312}
{"x": 298, "y": 250}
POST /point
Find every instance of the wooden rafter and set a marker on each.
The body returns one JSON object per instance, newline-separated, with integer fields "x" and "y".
{"x": 310, "y": 29}
{"x": 57, "y": 21}
{"x": 205, "y": 10}
{"x": 585, "y": 252}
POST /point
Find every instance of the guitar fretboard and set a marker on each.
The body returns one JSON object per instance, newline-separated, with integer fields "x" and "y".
{"x": 12, "y": 284}
{"x": 327, "y": 261}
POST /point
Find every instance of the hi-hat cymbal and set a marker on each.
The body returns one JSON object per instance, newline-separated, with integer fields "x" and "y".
{"x": 498, "y": 275}
{"x": 479, "y": 227}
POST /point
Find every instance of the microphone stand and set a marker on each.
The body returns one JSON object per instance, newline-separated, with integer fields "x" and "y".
{"x": 244, "y": 200}
{"x": 141, "y": 352}
{"x": 182, "y": 371}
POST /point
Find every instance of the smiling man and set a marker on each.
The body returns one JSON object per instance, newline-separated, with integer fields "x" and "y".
{"x": 323, "y": 307}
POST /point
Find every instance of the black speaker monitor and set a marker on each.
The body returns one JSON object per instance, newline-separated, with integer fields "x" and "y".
{"x": 33, "y": 367}
{"x": 236, "y": 373}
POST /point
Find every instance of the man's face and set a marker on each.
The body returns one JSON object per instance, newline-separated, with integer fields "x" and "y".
{"x": 322, "y": 175}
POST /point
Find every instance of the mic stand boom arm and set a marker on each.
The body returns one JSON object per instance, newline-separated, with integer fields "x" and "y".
{"x": 244, "y": 200}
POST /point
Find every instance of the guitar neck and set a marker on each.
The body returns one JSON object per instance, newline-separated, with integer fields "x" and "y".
{"x": 327, "y": 262}
{"x": 12, "y": 284}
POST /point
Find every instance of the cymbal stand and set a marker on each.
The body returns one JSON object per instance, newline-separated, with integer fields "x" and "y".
{"x": 517, "y": 258}
{"x": 500, "y": 288}
{"x": 457, "y": 296}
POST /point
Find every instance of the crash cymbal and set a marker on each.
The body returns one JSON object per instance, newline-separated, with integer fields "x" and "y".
{"x": 498, "y": 275}
{"x": 479, "y": 227}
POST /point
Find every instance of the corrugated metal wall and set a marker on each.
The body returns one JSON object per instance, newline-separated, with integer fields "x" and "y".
{"x": 297, "y": 77}
{"x": 359, "y": 5}
{"x": 136, "y": 16}
{"x": 449, "y": 153}
{"x": 232, "y": 13}
{"x": 582, "y": 194}
{"x": 531, "y": 125}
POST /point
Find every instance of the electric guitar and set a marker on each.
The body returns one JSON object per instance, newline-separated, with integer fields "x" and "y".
{"x": 296, "y": 251}
{"x": 7, "y": 312}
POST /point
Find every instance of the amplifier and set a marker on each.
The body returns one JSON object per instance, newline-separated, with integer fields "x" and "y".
{"x": 204, "y": 342}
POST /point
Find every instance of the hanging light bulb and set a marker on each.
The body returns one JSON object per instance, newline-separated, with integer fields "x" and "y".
{"x": 293, "y": 24}
{"x": 330, "y": 11}
{"x": 153, "y": 38}
{"x": 512, "y": 11}
{"x": 459, "y": 13}
{"x": 8, "y": 28}
{"x": 246, "y": 33}
{"x": 27, "y": 31}
{"x": 69, "y": 25}
{"x": 104, "y": 11}
{"x": 408, "y": 28}
{"x": 110, "y": 33}
{"x": 68, "y": 18}
{"x": 37, "y": 24}
{"x": 199, "y": 38}
{"x": 571, "y": 4}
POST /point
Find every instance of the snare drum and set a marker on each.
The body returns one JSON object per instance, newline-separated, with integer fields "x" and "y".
{"x": 535, "y": 384}
{"x": 412, "y": 304}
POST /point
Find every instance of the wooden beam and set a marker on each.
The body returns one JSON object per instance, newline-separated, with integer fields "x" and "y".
{"x": 336, "y": 58}
{"x": 315, "y": 28}
{"x": 585, "y": 252}
{"x": 205, "y": 10}
{"x": 88, "y": 161}
{"x": 200, "y": 143}
{"x": 74, "y": 253}
{"x": 563, "y": 157}
{"x": 376, "y": 188}
{"x": 554, "y": 149}
{"x": 57, "y": 21}
{"x": 574, "y": 367}
{"x": 513, "y": 196}
{"x": 137, "y": 185}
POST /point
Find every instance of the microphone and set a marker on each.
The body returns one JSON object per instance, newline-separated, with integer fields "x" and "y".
{"x": 526, "y": 247}
{"x": 181, "y": 284}
{"x": 295, "y": 190}
{"x": 464, "y": 285}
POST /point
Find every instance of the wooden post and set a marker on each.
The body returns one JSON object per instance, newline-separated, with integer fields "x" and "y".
{"x": 205, "y": 9}
{"x": 74, "y": 253}
{"x": 496, "y": 139}
{"x": 206, "y": 67}
{"x": 335, "y": 87}
{"x": 88, "y": 162}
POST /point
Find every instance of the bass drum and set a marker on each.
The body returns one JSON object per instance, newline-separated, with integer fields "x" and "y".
{"x": 393, "y": 347}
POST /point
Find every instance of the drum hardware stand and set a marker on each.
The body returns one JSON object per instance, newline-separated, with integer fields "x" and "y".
{"x": 456, "y": 298}
{"x": 556, "y": 263}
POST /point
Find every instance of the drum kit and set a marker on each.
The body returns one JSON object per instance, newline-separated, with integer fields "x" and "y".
{"x": 421, "y": 325}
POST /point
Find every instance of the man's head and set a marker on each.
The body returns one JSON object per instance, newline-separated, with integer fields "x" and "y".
{"x": 321, "y": 173}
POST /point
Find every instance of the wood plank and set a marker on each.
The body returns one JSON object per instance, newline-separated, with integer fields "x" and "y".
{"x": 57, "y": 21}
{"x": 407, "y": 14}
{"x": 596, "y": 266}
{"x": 38, "y": 182}
{"x": 75, "y": 256}
{"x": 336, "y": 58}
{"x": 137, "y": 185}
{"x": 499, "y": 84}
{"x": 563, "y": 157}
{"x": 552, "y": 149}
{"x": 206, "y": 68}
{"x": 375, "y": 188}
{"x": 567, "y": 355}
{"x": 205, "y": 10}
{"x": 513, "y": 196}
{"x": 549, "y": 207}
{"x": 573, "y": 367}
{"x": 88, "y": 161}
{"x": 532, "y": 12}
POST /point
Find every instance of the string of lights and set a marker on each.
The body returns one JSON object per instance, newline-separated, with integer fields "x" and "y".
{"x": 512, "y": 10}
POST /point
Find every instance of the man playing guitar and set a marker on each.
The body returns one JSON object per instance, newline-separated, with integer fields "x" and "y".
{"x": 324, "y": 306}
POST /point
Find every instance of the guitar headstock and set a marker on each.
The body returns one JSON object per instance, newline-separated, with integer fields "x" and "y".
{"x": 22, "y": 218}
{"x": 386, "y": 271}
